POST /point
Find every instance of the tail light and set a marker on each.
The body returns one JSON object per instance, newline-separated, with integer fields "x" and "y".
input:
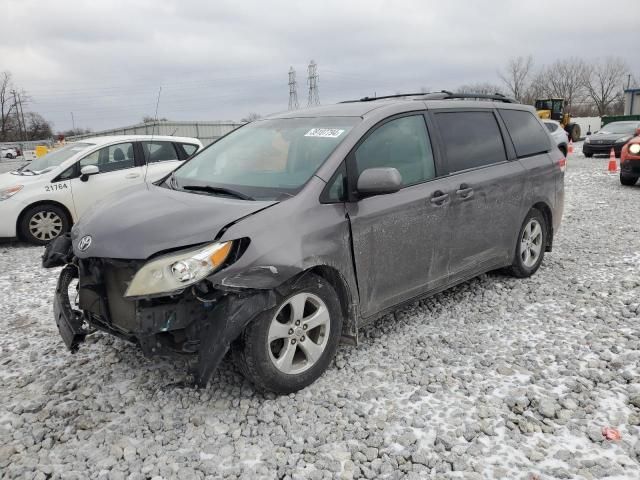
{"x": 562, "y": 163}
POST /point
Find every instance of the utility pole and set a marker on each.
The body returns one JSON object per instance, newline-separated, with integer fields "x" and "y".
{"x": 15, "y": 105}
{"x": 293, "y": 90}
{"x": 312, "y": 80}
{"x": 24, "y": 124}
{"x": 73, "y": 123}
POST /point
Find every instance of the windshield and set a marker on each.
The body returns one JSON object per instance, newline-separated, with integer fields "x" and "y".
{"x": 264, "y": 160}
{"x": 619, "y": 127}
{"x": 55, "y": 158}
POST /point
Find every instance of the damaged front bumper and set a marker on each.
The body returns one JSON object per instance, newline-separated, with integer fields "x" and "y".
{"x": 201, "y": 322}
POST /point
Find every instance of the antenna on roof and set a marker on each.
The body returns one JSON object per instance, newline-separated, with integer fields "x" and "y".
{"x": 153, "y": 130}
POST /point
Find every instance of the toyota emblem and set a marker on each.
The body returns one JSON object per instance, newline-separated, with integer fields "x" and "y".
{"x": 84, "y": 243}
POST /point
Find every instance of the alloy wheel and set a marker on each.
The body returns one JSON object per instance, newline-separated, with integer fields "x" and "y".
{"x": 531, "y": 243}
{"x": 298, "y": 333}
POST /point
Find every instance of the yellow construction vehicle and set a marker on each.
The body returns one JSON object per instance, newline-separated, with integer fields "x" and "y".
{"x": 554, "y": 108}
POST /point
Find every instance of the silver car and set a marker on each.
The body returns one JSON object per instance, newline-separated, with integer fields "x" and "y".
{"x": 559, "y": 135}
{"x": 285, "y": 237}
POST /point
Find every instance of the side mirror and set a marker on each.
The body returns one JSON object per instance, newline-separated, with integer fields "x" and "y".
{"x": 379, "y": 181}
{"x": 87, "y": 171}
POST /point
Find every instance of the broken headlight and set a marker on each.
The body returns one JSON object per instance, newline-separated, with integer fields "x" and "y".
{"x": 173, "y": 272}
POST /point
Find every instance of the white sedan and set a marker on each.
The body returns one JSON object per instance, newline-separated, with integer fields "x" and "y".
{"x": 8, "y": 152}
{"x": 558, "y": 134}
{"x": 43, "y": 198}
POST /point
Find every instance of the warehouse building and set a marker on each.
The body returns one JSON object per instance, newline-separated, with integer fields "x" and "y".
{"x": 206, "y": 132}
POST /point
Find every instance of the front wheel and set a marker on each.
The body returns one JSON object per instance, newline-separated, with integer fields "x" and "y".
{"x": 532, "y": 242}
{"x": 628, "y": 180}
{"x": 43, "y": 223}
{"x": 288, "y": 347}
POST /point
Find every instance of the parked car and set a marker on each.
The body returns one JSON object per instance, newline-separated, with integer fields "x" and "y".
{"x": 44, "y": 197}
{"x": 630, "y": 161}
{"x": 612, "y": 135}
{"x": 558, "y": 134}
{"x": 8, "y": 152}
{"x": 293, "y": 231}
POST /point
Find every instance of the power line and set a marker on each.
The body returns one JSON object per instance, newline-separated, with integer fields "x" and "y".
{"x": 312, "y": 80}
{"x": 293, "y": 90}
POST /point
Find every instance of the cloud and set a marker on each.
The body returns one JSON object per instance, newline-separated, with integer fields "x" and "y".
{"x": 105, "y": 60}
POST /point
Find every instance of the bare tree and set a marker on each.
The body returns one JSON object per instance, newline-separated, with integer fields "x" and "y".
{"x": 252, "y": 117}
{"x": 483, "y": 88}
{"x": 516, "y": 76}
{"x": 7, "y": 105}
{"x": 565, "y": 79}
{"x": 604, "y": 83}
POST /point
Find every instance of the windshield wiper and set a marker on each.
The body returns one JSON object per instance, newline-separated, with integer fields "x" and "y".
{"x": 215, "y": 190}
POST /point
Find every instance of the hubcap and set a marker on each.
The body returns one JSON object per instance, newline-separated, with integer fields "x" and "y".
{"x": 531, "y": 243}
{"x": 298, "y": 333}
{"x": 45, "y": 225}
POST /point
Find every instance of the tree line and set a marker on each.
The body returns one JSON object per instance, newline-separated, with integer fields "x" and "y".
{"x": 594, "y": 88}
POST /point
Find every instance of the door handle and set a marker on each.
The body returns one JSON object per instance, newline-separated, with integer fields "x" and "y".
{"x": 464, "y": 191}
{"x": 132, "y": 175}
{"x": 439, "y": 198}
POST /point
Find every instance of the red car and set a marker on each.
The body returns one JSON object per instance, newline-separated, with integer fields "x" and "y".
{"x": 630, "y": 161}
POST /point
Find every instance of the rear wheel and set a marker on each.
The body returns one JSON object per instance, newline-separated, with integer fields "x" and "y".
{"x": 532, "y": 242}
{"x": 288, "y": 347}
{"x": 573, "y": 129}
{"x": 628, "y": 180}
{"x": 43, "y": 223}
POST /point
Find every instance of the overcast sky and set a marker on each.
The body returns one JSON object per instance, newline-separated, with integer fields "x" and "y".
{"x": 104, "y": 60}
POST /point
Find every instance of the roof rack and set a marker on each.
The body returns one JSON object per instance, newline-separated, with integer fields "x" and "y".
{"x": 442, "y": 95}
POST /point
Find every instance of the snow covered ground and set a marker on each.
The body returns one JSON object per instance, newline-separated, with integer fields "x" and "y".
{"x": 496, "y": 378}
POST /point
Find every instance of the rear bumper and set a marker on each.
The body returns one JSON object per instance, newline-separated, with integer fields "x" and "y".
{"x": 183, "y": 325}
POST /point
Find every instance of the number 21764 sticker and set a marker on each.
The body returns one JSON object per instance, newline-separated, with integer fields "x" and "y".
{"x": 324, "y": 132}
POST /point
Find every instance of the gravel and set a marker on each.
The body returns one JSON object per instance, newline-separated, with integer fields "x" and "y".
{"x": 496, "y": 378}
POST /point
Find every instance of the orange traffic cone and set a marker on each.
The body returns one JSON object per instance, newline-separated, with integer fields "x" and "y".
{"x": 613, "y": 164}
{"x": 570, "y": 146}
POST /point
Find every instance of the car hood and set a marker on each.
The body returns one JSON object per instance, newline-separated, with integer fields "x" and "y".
{"x": 9, "y": 179}
{"x": 608, "y": 137}
{"x": 140, "y": 221}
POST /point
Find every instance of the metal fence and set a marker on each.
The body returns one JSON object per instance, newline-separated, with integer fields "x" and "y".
{"x": 206, "y": 132}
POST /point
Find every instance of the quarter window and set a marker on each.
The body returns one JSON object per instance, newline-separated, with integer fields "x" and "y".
{"x": 526, "y": 132}
{"x": 159, "y": 151}
{"x": 403, "y": 144}
{"x": 471, "y": 139}
{"x": 189, "y": 148}
{"x": 111, "y": 158}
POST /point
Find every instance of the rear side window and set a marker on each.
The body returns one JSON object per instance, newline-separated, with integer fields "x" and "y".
{"x": 403, "y": 144}
{"x": 189, "y": 148}
{"x": 526, "y": 132}
{"x": 552, "y": 127}
{"x": 471, "y": 139}
{"x": 159, "y": 151}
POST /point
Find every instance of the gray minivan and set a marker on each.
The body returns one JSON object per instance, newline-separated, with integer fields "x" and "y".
{"x": 287, "y": 235}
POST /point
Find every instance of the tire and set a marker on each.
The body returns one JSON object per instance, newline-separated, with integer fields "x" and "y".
{"x": 9, "y": 156}
{"x": 573, "y": 129}
{"x": 53, "y": 221}
{"x": 628, "y": 180}
{"x": 526, "y": 264}
{"x": 283, "y": 365}
{"x": 563, "y": 149}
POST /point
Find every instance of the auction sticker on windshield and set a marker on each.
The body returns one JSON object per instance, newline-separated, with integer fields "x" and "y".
{"x": 324, "y": 132}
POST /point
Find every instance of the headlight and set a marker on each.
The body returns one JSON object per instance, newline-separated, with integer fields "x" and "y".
{"x": 176, "y": 271}
{"x": 9, "y": 192}
{"x": 624, "y": 139}
{"x": 587, "y": 140}
{"x": 634, "y": 148}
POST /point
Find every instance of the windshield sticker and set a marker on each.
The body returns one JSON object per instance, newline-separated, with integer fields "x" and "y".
{"x": 324, "y": 132}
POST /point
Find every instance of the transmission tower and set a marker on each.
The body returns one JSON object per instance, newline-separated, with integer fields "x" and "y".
{"x": 314, "y": 96}
{"x": 293, "y": 90}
